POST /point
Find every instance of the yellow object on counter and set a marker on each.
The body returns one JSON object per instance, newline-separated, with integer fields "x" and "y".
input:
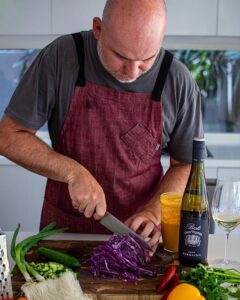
{"x": 170, "y": 214}
{"x": 185, "y": 291}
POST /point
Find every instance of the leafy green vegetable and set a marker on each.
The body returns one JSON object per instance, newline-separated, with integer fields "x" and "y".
{"x": 213, "y": 283}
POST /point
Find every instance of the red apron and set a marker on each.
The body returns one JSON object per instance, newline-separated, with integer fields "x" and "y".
{"x": 117, "y": 137}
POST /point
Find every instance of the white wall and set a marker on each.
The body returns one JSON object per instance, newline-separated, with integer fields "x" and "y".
{"x": 21, "y": 198}
{"x": 191, "y": 23}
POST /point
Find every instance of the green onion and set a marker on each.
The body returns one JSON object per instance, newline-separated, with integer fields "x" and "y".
{"x": 13, "y": 244}
{"x": 21, "y": 263}
{"x": 18, "y": 251}
{"x": 33, "y": 272}
{"x": 30, "y": 241}
{"x": 47, "y": 228}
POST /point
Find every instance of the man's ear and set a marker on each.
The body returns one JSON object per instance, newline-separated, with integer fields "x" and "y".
{"x": 97, "y": 27}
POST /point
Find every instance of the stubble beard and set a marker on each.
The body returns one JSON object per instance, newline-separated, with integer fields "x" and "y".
{"x": 118, "y": 75}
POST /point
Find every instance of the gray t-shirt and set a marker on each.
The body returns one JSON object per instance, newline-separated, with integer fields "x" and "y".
{"x": 46, "y": 89}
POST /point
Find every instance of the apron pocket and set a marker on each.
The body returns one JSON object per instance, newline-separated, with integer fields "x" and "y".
{"x": 141, "y": 142}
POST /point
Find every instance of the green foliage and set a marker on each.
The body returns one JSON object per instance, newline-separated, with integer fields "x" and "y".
{"x": 203, "y": 66}
{"x": 211, "y": 282}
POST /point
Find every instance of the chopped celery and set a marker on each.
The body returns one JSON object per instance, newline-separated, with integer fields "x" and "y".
{"x": 50, "y": 269}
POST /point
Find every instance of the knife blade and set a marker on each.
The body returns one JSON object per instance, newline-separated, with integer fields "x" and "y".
{"x": 116, "y": 226}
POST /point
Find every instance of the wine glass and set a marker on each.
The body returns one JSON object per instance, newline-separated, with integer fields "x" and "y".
{"x": 226, "y": 213}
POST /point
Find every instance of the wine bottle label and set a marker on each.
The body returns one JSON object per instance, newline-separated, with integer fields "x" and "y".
{"x": 193, "y": 241}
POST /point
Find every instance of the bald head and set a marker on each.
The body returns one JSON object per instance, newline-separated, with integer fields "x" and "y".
{"x": 134, "y": 12}
{"x": 110, "y": 5}
{"x": 132, "y": 30}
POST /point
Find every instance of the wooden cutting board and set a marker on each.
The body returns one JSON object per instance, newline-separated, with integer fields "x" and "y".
{"x": 103, "y": 288}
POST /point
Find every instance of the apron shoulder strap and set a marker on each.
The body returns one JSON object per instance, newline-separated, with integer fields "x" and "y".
{"x": 162, "y": 75}
{"x": 78, "y": 39}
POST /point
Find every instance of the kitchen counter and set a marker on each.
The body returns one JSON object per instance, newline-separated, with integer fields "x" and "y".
{"x": 81, "y": 245}
{"x": 215, "y": 247}
{"x": 224, "y": 156}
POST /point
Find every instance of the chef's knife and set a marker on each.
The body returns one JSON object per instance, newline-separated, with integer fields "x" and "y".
{"x": 116, "y": 226}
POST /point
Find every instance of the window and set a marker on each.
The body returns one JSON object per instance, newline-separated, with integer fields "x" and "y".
{"x": 13, "y": 64}
{"x": 216, "y": 72}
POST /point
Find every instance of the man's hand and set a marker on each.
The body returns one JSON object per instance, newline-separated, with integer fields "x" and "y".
{"x": 147, "y": 221}
{"x": 144, "y": 224}
{"x": 87, "y": 195}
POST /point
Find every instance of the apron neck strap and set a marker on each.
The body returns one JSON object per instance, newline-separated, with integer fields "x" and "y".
{"x": 159, "y": 84}
{"x": 162, "y": 75}
{"x": 80, "y": 53}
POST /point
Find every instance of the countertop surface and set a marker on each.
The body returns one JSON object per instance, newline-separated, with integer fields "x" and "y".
{"x": 215, "y": 245}
{"x": 220, "y": 155}
{"x": 106, "y": 289}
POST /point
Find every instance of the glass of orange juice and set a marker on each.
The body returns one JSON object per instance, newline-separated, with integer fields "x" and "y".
{"x": 170, "y": 216}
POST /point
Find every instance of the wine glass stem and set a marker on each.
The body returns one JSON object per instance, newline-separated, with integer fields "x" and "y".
{"x": 226, "y": 248}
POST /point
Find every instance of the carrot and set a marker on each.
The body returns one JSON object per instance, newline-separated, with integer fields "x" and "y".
{"x": 169, "y": 276}
{"x": 22, "y": 298}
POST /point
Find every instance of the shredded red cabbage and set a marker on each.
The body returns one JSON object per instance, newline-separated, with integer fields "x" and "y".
{"x": 121, "y": 257}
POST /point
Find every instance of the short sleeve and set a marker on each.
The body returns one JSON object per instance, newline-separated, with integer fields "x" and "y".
{"x": 188, "y": 125}
{"x": 182, "y": 117}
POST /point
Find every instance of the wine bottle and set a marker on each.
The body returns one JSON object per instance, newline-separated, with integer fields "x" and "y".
{"x": 194, "y": 222}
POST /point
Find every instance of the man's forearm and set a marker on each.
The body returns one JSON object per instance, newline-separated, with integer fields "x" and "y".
{"x": 30, "y": 152}
{"x": 174, "y": 180}
{"x": 21, "y": 145}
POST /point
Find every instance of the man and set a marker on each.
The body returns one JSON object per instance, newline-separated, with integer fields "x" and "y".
{"x": 113, "y": 99}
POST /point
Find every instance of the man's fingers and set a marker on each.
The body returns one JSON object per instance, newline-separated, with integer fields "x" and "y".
{"x": 89, "y": 210}
{"x": 154, "y": 248}
{"x": 150, "y": 230}
{"x": 140, "y": 225}
{"x": 100, "y": 211}
{"x": 136, "y": 223}
{"x": 75, "y": 205}
{"x": 82, "y": 205}
{"x": 87, "y": 195}
{"x": 155, "y": 237}
{"x": 128, "y": 222}
{"x": 147, "y": 229}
